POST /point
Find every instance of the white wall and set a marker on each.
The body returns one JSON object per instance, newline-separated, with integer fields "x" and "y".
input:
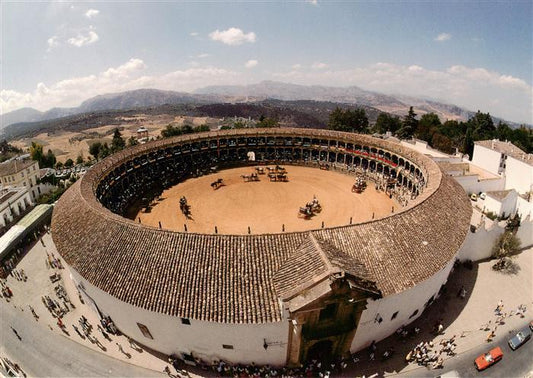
{"x": 203, "y": 339}
{"x": 524, "y": 208}
{"x": 519, "y": 175}
{"x": 21, "y": 198}
{"x": 478, "y": 245}
{"x": 405, "y": 303}
{"x": 486, "y": 158}
{"x": 422, "y": 147}
{"x": 472, "y": 184}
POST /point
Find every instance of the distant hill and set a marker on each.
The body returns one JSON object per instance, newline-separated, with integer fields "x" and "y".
{"x": 398, "y": 105}
{"x": 254, "y": 93}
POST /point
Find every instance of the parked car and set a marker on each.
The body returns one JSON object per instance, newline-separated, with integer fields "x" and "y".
{"x": 473, "y": 197}
{"x": 520, "y": 338}
{"x": 482, "y": 196}
{"x": 488, "y": 359}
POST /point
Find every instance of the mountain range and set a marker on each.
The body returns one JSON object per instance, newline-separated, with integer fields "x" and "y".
{"x": 253, "y": 93}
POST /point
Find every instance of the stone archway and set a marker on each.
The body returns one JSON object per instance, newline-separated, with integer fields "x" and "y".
{"x": 321, "y": 351}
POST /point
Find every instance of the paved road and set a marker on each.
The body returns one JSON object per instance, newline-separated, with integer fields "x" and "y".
{"x": 44, "y": 353}
{"x": 514, "y": 363}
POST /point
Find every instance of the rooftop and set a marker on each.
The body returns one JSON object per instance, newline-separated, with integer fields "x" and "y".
{"x": 508, "y": 149}
{"x": 232, "y": 278}
{"x": 14, "y": 166}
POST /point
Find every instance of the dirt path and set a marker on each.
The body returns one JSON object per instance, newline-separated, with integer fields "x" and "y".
{"x": 265, "y": 206}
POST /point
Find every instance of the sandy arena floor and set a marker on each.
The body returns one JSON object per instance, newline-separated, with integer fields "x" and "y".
{"x": 265, "y": 206}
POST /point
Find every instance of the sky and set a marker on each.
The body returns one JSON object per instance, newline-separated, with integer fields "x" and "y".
{"x": 474, "y": 54}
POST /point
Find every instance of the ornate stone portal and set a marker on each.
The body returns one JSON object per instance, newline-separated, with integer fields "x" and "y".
{"x": 325, "y": 298}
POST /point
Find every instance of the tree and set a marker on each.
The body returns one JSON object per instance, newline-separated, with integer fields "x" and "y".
{"x": 118, "y": 142}
{"x": 49, "y": 160}
{"x": 348, "y": 120}
{"x": 266, "y": 122}
{"x": 428, "y": 125}
{"x": 506, "y": 245}
{"x": 79, "y": 159}
{"x": 132, "y": 141}
{"x": 69, "y": 163}
{"x": 482, "y": 126}
{"x": 105, "y": 151}
{"x": 409, "y": 125}
{"x": 59, "y": 165}
{"x": 36, "y": 153}
{"x": 94, "y": 149}
{"x": 387, "y": 122}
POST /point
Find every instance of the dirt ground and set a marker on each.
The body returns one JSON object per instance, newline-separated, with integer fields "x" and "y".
{"x": 265, "y": 206}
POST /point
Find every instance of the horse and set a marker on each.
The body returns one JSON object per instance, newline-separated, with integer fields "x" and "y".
{"x": 217, "y": 184}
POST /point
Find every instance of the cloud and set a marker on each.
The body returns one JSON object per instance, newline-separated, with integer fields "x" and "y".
{"x": 251, "y": 63}
{"x": 470, "y": 87}
{"x": 313, "y": 2}
{"x": 232, "y": 36}
{"x": 318, "y": 66}
{"x": 127, "y": 76}
{"x": 202, "y": 56}
{"x": 193, "y": 34}
{"x": 53, "y": 41}
{"x": 92, "y": 13}
{"x": 84, "y": 38}
{"x": 296, "y": 66}
{"x": 443, "y": 37}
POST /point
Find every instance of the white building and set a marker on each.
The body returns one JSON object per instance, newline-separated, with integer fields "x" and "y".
{"x": 21, "y": 172}
{"x": 14, "y": 202}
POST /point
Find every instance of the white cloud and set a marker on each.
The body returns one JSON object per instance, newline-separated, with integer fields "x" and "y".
{"x": 193, "y": 34}
{"x": 473, "y": 88}
{"x": 84, "y": 38}
{"x": 318, "y": 66}
{"x": 251, "y": 63}
{"x": 314, "y": 2}
{"x": 53, "y": 41}
{"x": 296, "y": 66}
{"x": 443, "y": 37}
{"x": 92, "y": 13}
{"x": 127, "y": 76}
{"x": 232, "y": 36}
{"x": 202, "y": 56}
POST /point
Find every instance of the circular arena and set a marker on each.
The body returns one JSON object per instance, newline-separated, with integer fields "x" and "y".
{"x": 272, "y": 246}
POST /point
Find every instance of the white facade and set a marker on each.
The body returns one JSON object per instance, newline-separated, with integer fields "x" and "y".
{"x": 14, "y": 202}
{"x": 408, "y": 306}
{"x": 488, "y": 159}
{"x": 211, "y": 341}
{"x": 518, "y": 175}
{"x": 27, "y": 175}
{"x": 502, "y": 207}
{"x": 473, "y": 184}
{"x": 205, "y": 340}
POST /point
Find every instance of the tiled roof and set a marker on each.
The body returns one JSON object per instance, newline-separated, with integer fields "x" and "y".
{"x": 14, "y": 166}
{"x": 231, "y": 278}
{"x": 508, "y": 149}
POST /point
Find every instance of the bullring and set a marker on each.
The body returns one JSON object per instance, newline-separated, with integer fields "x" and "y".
{"x": 275, "y": 298}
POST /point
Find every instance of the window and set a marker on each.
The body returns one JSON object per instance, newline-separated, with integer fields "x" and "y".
{"x": 414, "y": 314}
{"x": 185, "y": 321}
{"x": 394, "y": 315}
{"x": 24, "y": 183}
{"x": 145, "y": 331}
{"x": 39, "y": 190}
{"x": 227, "y": 346}
{"x": 328, "y": 312}
{"x": 22, "y": 173}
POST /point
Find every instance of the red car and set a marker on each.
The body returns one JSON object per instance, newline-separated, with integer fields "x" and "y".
{"x": 489, "y": 358}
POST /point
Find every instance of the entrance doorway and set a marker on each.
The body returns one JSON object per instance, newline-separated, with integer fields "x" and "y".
{"x": 320, "y": 351}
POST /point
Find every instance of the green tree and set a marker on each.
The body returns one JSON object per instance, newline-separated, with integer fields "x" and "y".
{"x": 482, "y": 126}
{"x": 118, "y": 142}
{"x": 105, "y": 151}
{"x": 49, "y": 160}
{"x": 348, "y": 120}
{"x": 69, "y": 163}
{"x": 506, "y": 245}
{"x": 94, "y": 149}
{"x": 428, "y": 125}
{"x": 36, "y": 153}
{"x": 409, "y": 125}
{"x": 132, "y": 141}
{"x": 387, "y": 122}
{"x": 59, "y": 165}
{"x": 267, "y": 122}
{"x": 79, "y": 159}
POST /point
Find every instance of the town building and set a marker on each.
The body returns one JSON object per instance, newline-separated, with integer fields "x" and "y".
{"x": 21, "y": 172}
